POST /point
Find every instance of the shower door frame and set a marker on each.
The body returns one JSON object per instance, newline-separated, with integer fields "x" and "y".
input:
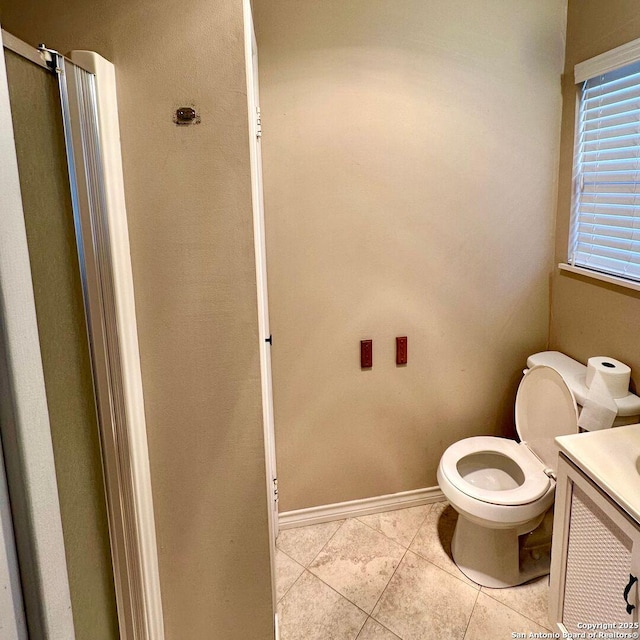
{"x": 89, "y": 109}
{"x": 92, "y": 133}
{"x": 25, "y": 429}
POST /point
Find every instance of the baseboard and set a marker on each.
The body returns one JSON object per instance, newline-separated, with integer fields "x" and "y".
{"x": 355, "y": 508}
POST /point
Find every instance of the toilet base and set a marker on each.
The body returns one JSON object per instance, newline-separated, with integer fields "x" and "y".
{"x": 499, "y": 558}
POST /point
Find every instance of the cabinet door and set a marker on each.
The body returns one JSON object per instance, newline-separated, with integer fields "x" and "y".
{"x": 598, "y": 566}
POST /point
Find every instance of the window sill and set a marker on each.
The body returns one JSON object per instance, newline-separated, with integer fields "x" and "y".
{"x": 596, "y": 275}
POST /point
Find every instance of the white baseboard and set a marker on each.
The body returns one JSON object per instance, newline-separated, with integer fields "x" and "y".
{"x": 355, "y": 508}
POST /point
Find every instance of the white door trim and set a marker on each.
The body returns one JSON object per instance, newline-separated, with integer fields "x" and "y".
{"x": 251, "y": 64}
{"x": 24, "y": 415}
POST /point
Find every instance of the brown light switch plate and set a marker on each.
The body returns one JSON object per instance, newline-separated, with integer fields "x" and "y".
{"x": 366, "y": 354}
{"x": 401, "y": 350}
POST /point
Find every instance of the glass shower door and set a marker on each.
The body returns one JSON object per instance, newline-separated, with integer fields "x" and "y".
{"x": 55, "y": 274}
{"x": 66, "y": 214}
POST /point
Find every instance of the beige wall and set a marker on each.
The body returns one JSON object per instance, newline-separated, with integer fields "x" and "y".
{"x": 588, "y": 317}
{"x": 189, "y": 203}
{"x": 410, "y": 165}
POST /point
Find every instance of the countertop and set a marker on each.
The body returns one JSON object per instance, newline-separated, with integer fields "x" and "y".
{"x": 611, "y": 458}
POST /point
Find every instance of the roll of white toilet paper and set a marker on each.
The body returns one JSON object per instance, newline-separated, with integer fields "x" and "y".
{"x": 615, "y": 374}
{"x": 600, "y": 409}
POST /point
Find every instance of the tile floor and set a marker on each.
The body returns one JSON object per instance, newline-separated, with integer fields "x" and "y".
{"x": 390, "y": 576}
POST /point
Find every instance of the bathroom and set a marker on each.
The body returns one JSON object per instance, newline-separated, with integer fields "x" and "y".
{"x": 417, "y": 161}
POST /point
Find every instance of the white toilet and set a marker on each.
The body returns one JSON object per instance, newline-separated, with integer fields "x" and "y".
{"x": 503, "y": 490}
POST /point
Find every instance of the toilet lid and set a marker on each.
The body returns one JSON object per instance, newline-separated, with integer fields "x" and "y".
{"x": 545, "y": 409}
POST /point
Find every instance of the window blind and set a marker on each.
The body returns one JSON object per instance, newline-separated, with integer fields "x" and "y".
{"x": 605, "y": 223}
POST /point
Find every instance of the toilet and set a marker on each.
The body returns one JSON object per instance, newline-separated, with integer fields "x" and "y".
{"x": 504, "y": 490}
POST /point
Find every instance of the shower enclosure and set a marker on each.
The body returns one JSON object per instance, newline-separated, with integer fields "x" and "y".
{"x": 71, "y": 400}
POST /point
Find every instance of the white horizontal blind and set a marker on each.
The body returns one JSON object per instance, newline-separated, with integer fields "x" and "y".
{"x": 605, "y": 234}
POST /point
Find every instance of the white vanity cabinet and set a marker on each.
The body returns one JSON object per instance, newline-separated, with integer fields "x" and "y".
{"x": 595, "y": 562}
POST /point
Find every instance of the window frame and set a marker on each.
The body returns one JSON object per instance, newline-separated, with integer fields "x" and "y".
{"x": 609, "y": 61}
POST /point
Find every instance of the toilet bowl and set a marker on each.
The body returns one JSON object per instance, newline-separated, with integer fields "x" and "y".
{"x": 495, "y": 481}
{"x": 503, "y": 490}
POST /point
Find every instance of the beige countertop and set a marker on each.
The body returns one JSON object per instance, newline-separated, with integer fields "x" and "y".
{"x": 611, "y": 458}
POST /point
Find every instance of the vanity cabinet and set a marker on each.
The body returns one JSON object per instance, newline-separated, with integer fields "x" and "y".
{"x": 595, "y": 562}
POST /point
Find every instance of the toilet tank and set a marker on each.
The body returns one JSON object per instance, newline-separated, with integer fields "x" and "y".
{"x": 575, "y": 375}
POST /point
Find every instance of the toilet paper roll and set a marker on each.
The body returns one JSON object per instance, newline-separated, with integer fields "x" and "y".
{"x": 600, "y": 409}
{"x": 616, "y": 375}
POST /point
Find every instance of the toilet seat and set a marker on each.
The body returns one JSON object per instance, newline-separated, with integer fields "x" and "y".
{"x": 502, "y": 489}
{"x": 545, "y": 408}
{"x": 535, "y": 482}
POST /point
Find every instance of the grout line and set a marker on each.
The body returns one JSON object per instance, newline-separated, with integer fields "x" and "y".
{"x": 463, "y": 580}
{"x": 453, "y": 575}
{"x": 406, "y": 550}
{"x": 290, "y": 557}
{"x": 362, "y": 627}
{"x": 326, "y": 543}
{"x": 386, "y": 586}
{"x": 306, "y": 568}
{"x": 464, "y": 635}
{"x": 395, "y": 635}
{"x": 524, "y": 615}
{"x": 368, "y": 615}
{"x": 341, "y": 595}
{"x": 392, "y": 539}
{"x": 384, "y": 535}
{"x": 296, "y": 580}
{"x": 516, "y": 611}
{"x": 346, "y": 598}
{"x": 291, "y": 587}
{"x": 426, "y": 515}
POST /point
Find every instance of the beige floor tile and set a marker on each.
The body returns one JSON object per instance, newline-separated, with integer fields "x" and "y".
{"x": 358, "y": 562}
{"x": 313, "y": 611}
{"x": 287, "y": 572}
{"x": 494, "y": 621}
{"x": 304, "y": 543}
{"x": 530, "y": 599}
{"x": 400, "y": 525}
{"x": 373, "y": 630}
{"x": 433, "y": 540}
{"x": 423, "y": 601}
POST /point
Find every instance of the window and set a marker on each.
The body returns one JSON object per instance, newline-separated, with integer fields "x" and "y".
{"x": 605, "y": 220}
